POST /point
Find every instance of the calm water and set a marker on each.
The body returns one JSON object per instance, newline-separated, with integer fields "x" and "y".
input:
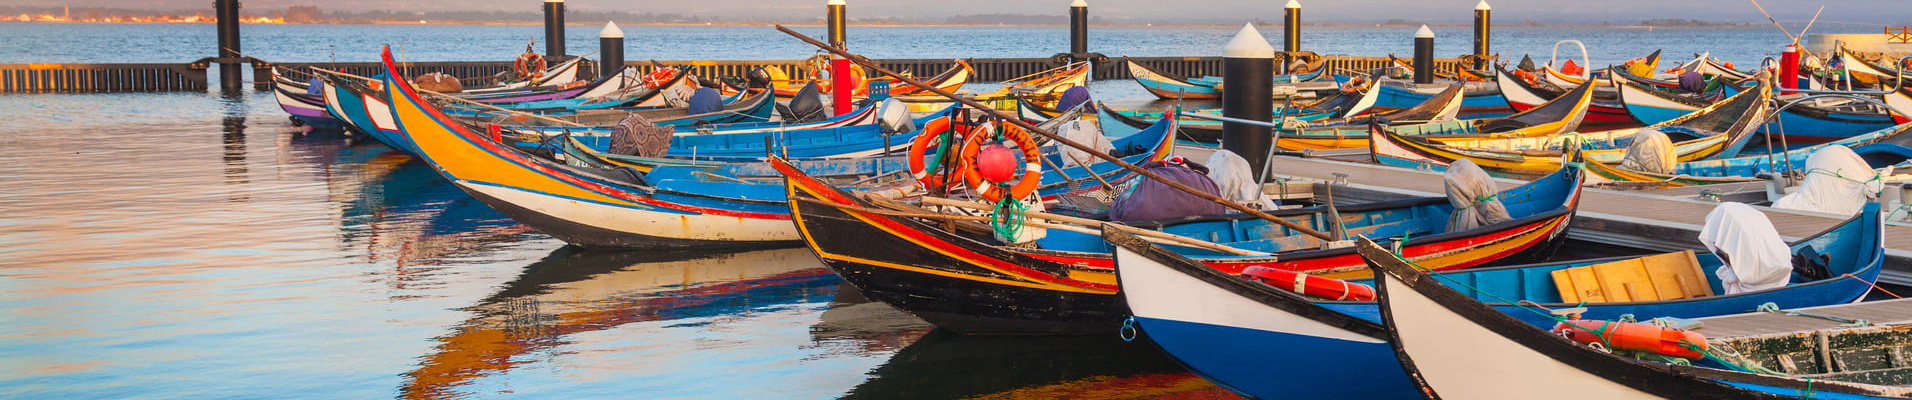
{"x": 199, "y": 246}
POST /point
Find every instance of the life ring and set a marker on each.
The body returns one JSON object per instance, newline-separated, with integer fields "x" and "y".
{"x": 658, "y": 77}
{"x": 1327, "y": 288}
{"x": 529, "y": 65}
{"x": 856, "y": 79}
{"x": 921, "y": 169}
{"x": 1635, "y": 336}
{"x": 1032, "y": 164}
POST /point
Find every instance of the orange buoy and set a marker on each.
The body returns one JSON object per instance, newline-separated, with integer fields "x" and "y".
{"x": 1327, "y": 288}
{"x": 1635, "y": 337}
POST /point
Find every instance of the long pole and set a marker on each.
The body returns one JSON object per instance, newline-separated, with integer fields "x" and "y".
{"x": 462, "y": 100}
{"x": 1018, "y": 122}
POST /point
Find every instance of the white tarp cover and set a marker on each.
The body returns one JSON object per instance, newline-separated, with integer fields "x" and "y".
{"x": 1236, "y": 179}
{"x": 1837, "y": 182}
{"x": 1475, "y": 198}
{"x": 1084, "y": 132}
{"x": 1651, "y": 151}
{"x": 1755, "y": 256}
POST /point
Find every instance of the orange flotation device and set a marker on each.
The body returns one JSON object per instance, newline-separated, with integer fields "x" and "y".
{"x": 529, "y": 65}
{"x": 658, "y": 77}
{"x": 931, "y": 136}
{"x": 1635, "y": 336}
{"x": 1031, "y": 156}
{"x": 1327, "y": 288}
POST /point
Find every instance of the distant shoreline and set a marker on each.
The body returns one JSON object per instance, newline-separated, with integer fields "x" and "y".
{"x": 881, "y": 24}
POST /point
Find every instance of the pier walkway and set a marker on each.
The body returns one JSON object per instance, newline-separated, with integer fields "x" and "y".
{"x": 1630, "y": 219}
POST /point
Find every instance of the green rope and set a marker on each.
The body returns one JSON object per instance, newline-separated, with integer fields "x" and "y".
{"x": 1010, "y": 216}
{"x": 1479, "y": 200}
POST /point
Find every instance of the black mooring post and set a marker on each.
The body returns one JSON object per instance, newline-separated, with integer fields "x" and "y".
{"x": 226, "y": 13}
{"x": 1424, "y": 55}
{"x": 1290, "y": 32}
{"x": 1483, "y": 30}
{"x": 1248, "y": 77}
{"x": 1078, "y": 29}
{"x": 610, "y": 50}
{"x": 553, "y": 29}
{"x": 836, "y": 17}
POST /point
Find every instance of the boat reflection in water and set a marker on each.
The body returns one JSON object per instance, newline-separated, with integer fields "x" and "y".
{"x": 660, "y": 311}
{"x": 942, "y": 365}
{"x": 398, "y": 209}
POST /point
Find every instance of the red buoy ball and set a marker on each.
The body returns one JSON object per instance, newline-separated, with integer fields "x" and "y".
{"x": 997, "y": 163}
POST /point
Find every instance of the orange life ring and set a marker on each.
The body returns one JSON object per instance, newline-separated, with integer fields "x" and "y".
{"x": 920, "y": 169}
{"x": 529, "y": 65}
{"x": 822, "y": 77}
{"x": 658, "y": 77}
{"x": 1635, "y": 337}
{"x": 1031, "y": 157}
{"x": 1327, "y": 288}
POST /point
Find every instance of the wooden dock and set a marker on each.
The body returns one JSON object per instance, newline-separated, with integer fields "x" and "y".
{"x": 1879, "y": 313}
{"x": 1631, "y": 219}
{"x": 82, "y": 78}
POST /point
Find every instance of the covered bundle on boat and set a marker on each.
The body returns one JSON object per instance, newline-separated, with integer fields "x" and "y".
{"x": 1651, "y": 151}
{"x": 1087, "y": 133}
{"x": 1755, "y": 257}
{"x": 1837, "y": 181}
{"x": 1152, "y": 200}
{"x": 1473, "y": 195}
{"x": 635, "y": 136}
{"x": 1236, "y": 180}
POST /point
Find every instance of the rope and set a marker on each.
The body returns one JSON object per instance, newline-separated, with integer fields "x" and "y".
{"x": 1849, "y": 322}
{"x": 1009, "y": 218}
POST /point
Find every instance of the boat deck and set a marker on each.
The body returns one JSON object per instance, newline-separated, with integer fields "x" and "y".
{"x": 1632, "y": 219}
{"x": 1879, "y": 313}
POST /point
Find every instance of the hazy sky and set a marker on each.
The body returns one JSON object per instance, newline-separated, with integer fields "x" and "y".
{"x": 1506, "y": 11}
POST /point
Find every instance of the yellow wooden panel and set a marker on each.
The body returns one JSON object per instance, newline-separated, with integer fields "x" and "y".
{"x": 1577, "y": 285}
{"x": 1657, "y": 277}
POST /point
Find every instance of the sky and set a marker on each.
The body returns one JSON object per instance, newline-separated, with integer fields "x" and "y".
{"x": 1119, "y": 11}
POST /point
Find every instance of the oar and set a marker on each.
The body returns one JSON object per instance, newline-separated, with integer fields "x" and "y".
{"x": 1177, "y": 239}
{"x": 462, "y": 100}
{"x": 866, "y": 63}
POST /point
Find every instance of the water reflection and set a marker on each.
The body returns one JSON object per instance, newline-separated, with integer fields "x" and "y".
{"x": 943, "y": 365}
{"x": 572, "y": 292}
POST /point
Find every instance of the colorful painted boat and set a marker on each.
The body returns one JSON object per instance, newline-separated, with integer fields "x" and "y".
{"x": 1801, "y": 124}
{"x": 305, "y": 108}
{"x": 754, "y": 108}
{"x": 1478, "y": 99}
{"x": 1560, "y": 115}
{"x": 1454, "y": 345}
{"x": 965, "y": 281}
{"x": 363, "y": 110}
{"x": 1722, "y": 128}
{"x": 1522, "y": 95}
{"x": 1258, "y": 340}
{"x": 585, "y": 206}
{"x": 1880, "y": 149}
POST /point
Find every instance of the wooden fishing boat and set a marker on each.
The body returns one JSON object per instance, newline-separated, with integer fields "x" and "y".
{"x": 963, "y": 280}
{"x": 1808, "y": 123}
{"x": 1722, "y": 128}
{"x": 305, "y": 106}
{"x": 1560, "y": 115}
{"x": 590, "y": 207}
{"x": 1203, "y": 316}
{"x": 1167, "y": 85}
{"x": 1880, "y": 149}
{"x": 363, "y": 109}
{"x": 949, "y": 80}
{"x": 1342, "y": 107}
{"x": 1477, "y": 99}
{"x": 754, "y": 108}
{"x": 1453, "y": 345}
{"x": 1606, "y": 107}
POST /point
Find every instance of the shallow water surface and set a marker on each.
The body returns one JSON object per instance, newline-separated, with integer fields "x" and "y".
{"x": 197, "y": 245}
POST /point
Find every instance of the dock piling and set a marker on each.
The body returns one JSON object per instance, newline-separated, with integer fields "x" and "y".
{"x": 226, "y": 13}
{"x": 1248, "y": 66}
{"x": 610, "y": 49}
{"x": 553, "y": 29}
{"x": 1290, "y": 32}
{"x": 840, "y": 84}
{"x": 1483, "y": 30}
{"x": 1424, "y": 55}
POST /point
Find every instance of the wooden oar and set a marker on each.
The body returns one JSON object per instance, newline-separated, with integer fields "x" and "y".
{"x": 462, "y": 100}
{"x": 866, "y": 63}
{"x": 1178, "y": 239}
